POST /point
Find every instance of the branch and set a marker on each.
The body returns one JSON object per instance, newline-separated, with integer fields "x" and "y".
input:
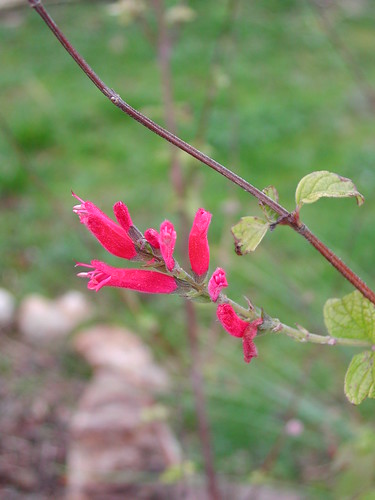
{"x": 164, "y": 48}
{"x": 289, "y": 217}
{"x": 300, "y": 334}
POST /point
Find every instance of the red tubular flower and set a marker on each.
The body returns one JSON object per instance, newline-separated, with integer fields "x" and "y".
{"x": 249, "y": 348}
{"x": 237, "y": 327}
{"x": 217, "y": 282}
{"x": 232, "y": 323}
{"x": 199, "y": 251}
{"x": 167, "y": 241}
{"x": 122, "y": 215}
{"x": 134, "y": 279}
{"x": 113, "y": 237}
{"x": 152, "y": 236}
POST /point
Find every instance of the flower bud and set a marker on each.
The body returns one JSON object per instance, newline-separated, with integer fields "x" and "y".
{"x": 217, "y": 282}
{"x": 167, "y": 241}
{"x": 199, "y": 251}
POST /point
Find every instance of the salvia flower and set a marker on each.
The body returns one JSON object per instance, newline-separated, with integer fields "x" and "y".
{"x": 113, "y": 237}
{"x": 152, "y": 236}
{"x": 217, "y": 282}
{"x": 238, "y": 327}
{"x": 249, "y": 348}
{"x": 199, "y": 251}
{"x": 122, "y": 215}
{"x": 167, "y": 241}
{"x": 141, "y": 280}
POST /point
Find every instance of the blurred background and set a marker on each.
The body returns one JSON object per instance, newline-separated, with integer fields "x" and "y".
{"x": 273, "y": 90}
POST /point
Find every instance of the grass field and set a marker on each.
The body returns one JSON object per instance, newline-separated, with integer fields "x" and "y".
{"x": 292, "y": 93}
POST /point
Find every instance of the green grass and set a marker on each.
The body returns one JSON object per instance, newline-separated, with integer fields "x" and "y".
{"x": 291, "y": 105}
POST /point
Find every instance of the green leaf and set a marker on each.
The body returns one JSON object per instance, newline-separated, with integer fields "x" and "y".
{"x": 270, "y": 214}
{"x": 351, "y": 317}
{"x": 359, "y": 378}
{"x": 324, "y": 184}
{"x": 248, "y": 233}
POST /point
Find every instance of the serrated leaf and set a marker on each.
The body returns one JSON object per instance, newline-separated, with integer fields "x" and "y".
{"x": 248, "y": 233}
{"x": 324, "y": 184}
{"x": 352, "y": 317}
{"x": 359, "y": 378}
{"x": 270, "y": 214}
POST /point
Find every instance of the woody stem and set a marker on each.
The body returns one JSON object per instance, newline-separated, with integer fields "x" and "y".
{"x": 342, "y": 268}
{"x": 164, "y": 47}
{"x": 274, "y": 326}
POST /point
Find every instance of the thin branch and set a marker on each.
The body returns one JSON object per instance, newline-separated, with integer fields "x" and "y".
{"x": 300, "y": 334}
{"x": 289, "y": 217}
{"x": 164, "y": 46}
{"x": 164, "y": 56}
{"x": 20, "y": 5}
{"x": 200, "y": 400}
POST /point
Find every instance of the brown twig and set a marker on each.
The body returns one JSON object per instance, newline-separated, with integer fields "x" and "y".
{"x": 288, "y": 217}
{"x": 164, "y": 46}
{"x": 200, "y": 403}
{"x": 164, "y": 53}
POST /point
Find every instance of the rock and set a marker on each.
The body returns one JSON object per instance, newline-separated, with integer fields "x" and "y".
{"x": 114, "y": 441}
{"x": 74, "y": 307}
{"x": 120, "y": 444}
{"x": 37, "y": 318}
{"x": 41, "y": 319}
{"x": 7, "y": 309}
{"x": 118, "y": 350}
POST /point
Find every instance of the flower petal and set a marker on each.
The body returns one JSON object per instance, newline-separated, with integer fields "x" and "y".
{"x": 217, "y": 282}
{"x": 167, "y": 240}
{"x": 133, "y": 279}
{"x": 249, "y": 348}
{"x": 231, "y": 322}
{"x": 113, "y": 237}
{"x": 199, "y": 251}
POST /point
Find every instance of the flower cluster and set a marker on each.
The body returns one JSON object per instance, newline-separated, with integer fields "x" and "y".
{"x": 155, "y": 250}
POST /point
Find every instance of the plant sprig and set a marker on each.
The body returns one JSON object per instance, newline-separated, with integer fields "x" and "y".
{"x": 290, "y": 219}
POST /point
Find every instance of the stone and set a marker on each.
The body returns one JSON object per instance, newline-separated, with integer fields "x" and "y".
{"x": 7, "y": 309}
{"x": 41, "y": 319}
{"x": 74, "y": 307}
{"x": 114, "y": 441}
{"x": 118, "y": 350}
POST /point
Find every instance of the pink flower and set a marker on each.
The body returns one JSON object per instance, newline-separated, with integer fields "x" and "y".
{"x": 122, "y": 215}
{"x": 237, "y": 327}
{"x": 113, "y": 237}
{"x": 217, "y": 282}
{"x": 199, "y": 251}
{"x": 249, "y": 348}
{"x": 152, "y": 236}
{"x": 134, "y": 279}
{"x": 232, "y": 323}
{"x": 167, "y": 241}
